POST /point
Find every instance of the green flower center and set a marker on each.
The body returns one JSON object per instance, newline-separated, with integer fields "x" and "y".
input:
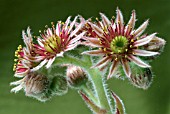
{"x": 52, "y": 44}
{"x": 119, "y": 44}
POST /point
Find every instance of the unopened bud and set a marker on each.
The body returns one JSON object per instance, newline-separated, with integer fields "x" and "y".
{"x": 59, "y": 85}
{"x": 76, "y": 77}
{"x": 36, "y": 86}
{"x": 156, "y": 44}
{"x": 141, "y": 78}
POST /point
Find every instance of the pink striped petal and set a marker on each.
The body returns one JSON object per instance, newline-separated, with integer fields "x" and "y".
{"x": 49, "y": 32}
{"x": 131, "y": 23}
{"x": 101, "y": 62}
{"x": 145, "y": 40}
{"x": 144, "y": 52}
{"x": 76, "y": 30}
{"x": 58, "y": 29}
{"x": 93, "y": 41}
{"x": 138, "y": 61}
{"x": 50, "y": 62}
{"x": 17, "y": 82}
{"x": 126, "y": 67}
{"x": 97, "y": 30}
{"x": 119, "y": 18}
{"x": 104, "y": 65}
{"x": 113, "y": 69}
{"x": 72, "y": 24}
{"x": 141, "y": 29}
{"x": 39, "y": 40}
{"x": 82, "y": 20}
{"x": 72, "y": 46}
{"x": 17, "y": 88}
{"x": 94, "y": 52}
{"x": 67, "y": 23}
{"x": 78, "y": 37}
{"x": 105, "y": 20}
{"x": 39, "y": 66}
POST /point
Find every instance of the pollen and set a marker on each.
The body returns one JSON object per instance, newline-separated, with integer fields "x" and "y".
{"x": 125, "y": 56}
{"x": 97, "y": 19}
{"x": 132, "y": 40}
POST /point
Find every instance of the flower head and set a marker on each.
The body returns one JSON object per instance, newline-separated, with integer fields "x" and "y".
{"x": 25, "y": 56}
{"x": 118, "y": 43}
{"x": 57, "y": 40}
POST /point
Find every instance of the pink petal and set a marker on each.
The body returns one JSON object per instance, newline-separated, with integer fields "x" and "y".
{"x": 39, "y": 40}
{"x": 72, "y": 46}
{"x": 78, "y": 37}
{"x": 101, "y": 62}
{"x": 39, "y": 66}
{"x": 131, "y": 23}
{"x": 144, "y": 52}
{"x": 58, "y": 29}
{"x": 76, "y": 30}
{"x": 17, "y": 82}
{"x": 67, "y": 22}
{"x": 126, "y": 67}
{"x": 72, "y": 24}
{"x": 138, "y": 61}
{"x": 94, "y": 52}
{"x": 141, "y": 29}
{"x": 105, "y": 20}
{"x": 113, "y": 69}
{"x": 119, "y": 18}
{"x": 49, "y": 32}
{"x": 97, "y": 30}
{"x": 16, "y": 89}
{"x": 82, "y": 20}
{"x": 50, "y": 62}
{"x": 145, "y": 40}
{"x": 93, "y": 41}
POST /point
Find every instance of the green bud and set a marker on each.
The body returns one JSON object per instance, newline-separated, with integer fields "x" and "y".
{"x": 59, "y": 85}
{"x": 156, "y": 44}
{"x": 76, "y": 76}
{"x": 141, "y": 77}
{"x": 36, "y": 85}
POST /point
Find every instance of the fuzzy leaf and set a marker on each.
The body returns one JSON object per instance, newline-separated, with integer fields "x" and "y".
{"x": 93, "y": 107}
{"x": 119, "y": 106}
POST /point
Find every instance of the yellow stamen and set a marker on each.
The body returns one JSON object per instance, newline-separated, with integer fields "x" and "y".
{"x": 125, "y": 56}
{"x": 97, "y": 19}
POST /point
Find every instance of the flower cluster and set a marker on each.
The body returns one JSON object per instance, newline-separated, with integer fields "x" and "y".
{"x": 117, "y": 43}
{"x": 51, "y": 44}
{"x": 120, "y": 44}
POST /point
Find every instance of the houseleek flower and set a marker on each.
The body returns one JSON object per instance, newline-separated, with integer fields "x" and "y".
{"x": 118, "y": 43}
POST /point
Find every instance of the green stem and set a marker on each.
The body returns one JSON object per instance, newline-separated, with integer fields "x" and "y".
{"x": 90, "y": 93}
{"x": 96, "y": 78}
{"x": 94, "y": 75}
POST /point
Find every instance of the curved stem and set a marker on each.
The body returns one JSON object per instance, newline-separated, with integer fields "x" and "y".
{"x": 90, "y": 93}
{"x": 95, "y": 77}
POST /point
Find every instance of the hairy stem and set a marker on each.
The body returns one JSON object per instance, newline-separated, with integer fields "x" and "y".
{"x": 95, "y": 77}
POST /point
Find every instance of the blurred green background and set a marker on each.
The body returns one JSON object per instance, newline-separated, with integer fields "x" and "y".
{"x": 16, "y": 15}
